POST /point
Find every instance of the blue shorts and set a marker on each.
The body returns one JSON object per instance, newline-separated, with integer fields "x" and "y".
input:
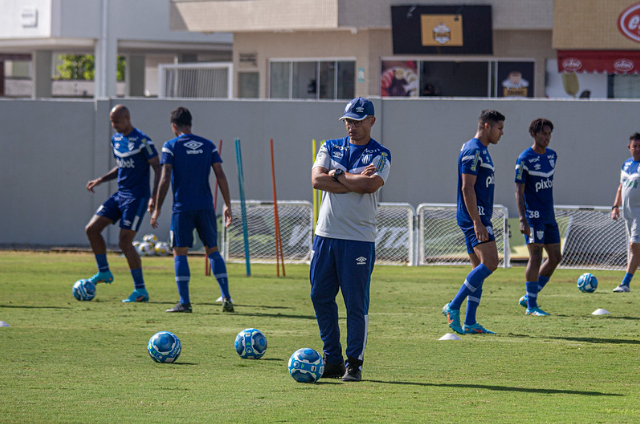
{"x": 183, "y": 224}
{"x": 470, "y": 236}
{"x": 129, "y": 210}
{"x": 542, "y": 233}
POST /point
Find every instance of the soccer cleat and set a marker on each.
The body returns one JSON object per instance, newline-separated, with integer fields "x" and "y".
{"x": 181, "y": 308}
{"x": 227, "y": 306}
{"x": 622, "y": 288}
{"x": 537, "y": 312}
{"x": 524, "y": 301}
{"x": 138, "y": 295}
{"x": 102, "y": 277}
{"x": 334, "y": 370}
{"x": 353, "y": 373}
{"x": 476, "y": 329}
{"x": 453, "y": 317}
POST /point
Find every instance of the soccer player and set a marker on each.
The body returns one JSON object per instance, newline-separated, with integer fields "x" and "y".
{"x": 476, "y": 183}
{"x": 534, "y": 196}
{"x": 350, "y": 172}
{"x": 186, "y": 162}
{"x": 628, "y": 195}
{"x": 134, "y": 153}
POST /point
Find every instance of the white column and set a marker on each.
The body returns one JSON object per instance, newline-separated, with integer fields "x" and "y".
{"x": 42, "y": 62}
{"x": 106, "y": 57}
{"x": 134, "y": 78}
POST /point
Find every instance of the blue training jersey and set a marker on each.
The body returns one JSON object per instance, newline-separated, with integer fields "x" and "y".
{"x": 132, "y": 153}
{"x": 191, "y": 158}
{"x": 475, "y": 160}
{"x": 536, "y": 171}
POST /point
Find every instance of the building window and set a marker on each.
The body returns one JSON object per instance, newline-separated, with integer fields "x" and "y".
{"x": 248, "y": 85}
{"x": 456, "y": 78}
{"x": 330, "y": 80}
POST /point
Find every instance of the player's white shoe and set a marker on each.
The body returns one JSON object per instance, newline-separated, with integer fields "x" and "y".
{"x": 622, "y": 288}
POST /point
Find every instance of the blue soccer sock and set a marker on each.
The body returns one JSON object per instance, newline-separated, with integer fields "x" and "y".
{"x": 473, "y": 301}
{"x": 542, "y": 281}
{"x": 183, "y": 275}
{"x": 219, "y": 270}
{"x": 473, "y": 281}
{"x": 532, "y": 294}
{"x": 138, "y": 280}
{"x": 101, "y": 260}
{"x": 627, "y": 279}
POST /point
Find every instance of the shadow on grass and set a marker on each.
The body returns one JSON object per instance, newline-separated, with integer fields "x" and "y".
{"x": 34, "y": 307}
{"x": 584, "y": 339}
{"x": 258, "y": 314}
{"x": 501, "y": 388}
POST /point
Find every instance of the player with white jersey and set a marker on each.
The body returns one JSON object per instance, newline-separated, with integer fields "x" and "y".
{"x": 628, "y": 195}
{"x": 187, "y": 161}
{"x": 134, "y": 153}
{"x": 476, "y": 182}
{"x": 350, "y": 172}
{"x": 535, "y": 169}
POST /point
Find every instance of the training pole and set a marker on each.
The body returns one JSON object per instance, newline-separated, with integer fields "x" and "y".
{"x": 279, "y": 255}
{"x": 207, "y": 264}
{"x": 243, "y": 206}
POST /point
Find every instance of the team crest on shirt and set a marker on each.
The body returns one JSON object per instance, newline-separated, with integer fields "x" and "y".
{"x": 132, "y": 145}
{"x": 552, "y": 162}
{"x": 366, "y": 158}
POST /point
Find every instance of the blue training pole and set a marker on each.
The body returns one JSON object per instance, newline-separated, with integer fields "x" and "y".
{"x": 243, "y": 206}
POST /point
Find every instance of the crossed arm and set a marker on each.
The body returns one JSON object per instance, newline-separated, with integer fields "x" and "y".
{"x": 365, "y": 182}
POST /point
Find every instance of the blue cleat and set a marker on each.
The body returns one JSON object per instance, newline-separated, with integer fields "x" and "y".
{"x": 537, "y": 312}
{"x": 524, "y": 301}
{"x": 138, "y": 295}
{"x": 453, "y": 317}
{"x": 102, "y": 277}
{"x": 476, "y": 329}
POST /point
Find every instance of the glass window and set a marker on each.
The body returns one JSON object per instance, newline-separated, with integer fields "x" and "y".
{"x": 304, "y": 81}
{"x": 455, "y": 79}
{"x": 279, "y": 80}
{"x": 624, "y": 86}
{"x": 312, "y": 79}
{"x": 248, "y": 85}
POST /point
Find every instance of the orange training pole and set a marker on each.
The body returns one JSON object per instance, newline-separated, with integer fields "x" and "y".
{"x": 279, "y": 255}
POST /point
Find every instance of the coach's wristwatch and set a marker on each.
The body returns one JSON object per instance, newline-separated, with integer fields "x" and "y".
{"x": 337, "y": 173}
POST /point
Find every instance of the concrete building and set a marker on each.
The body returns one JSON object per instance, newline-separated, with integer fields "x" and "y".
{"x": 337, "y": 49}
{"x": 33, "y": 33}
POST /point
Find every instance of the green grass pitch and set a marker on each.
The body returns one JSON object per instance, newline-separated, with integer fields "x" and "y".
{"x": 65, "y": 361}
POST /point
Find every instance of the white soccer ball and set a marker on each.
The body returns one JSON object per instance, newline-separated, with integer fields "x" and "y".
{"x": 150, "y": 238}
{"x": 162, "y": 248}
{"x": 306, "y": 365}
{"x": 136, "y": 244}
{"x": 146, "y": 249}
{"x": 251, "y": 343}
{"x": 587, "y": 283}
{"x": 84, "y": 290}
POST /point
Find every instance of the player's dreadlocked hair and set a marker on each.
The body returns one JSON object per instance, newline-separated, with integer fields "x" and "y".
{"x": 537, "y": 125}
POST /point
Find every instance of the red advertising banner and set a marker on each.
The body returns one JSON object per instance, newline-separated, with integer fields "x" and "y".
{"x": 600, "y": 61}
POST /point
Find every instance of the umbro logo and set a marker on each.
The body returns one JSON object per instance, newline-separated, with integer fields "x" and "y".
{"x": 193, "y": 145}
{"x": 361, "y": 260}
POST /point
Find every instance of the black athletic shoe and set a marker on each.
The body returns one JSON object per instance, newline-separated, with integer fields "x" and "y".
{"x": 353, "y": 372}
{"x": 181, "y": 308}
{"x": 227, "y": 306}
{"x": 333, "y": 370}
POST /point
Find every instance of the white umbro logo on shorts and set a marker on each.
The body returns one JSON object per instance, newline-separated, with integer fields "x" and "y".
{"x": 193, "y": 145}
{"x": 361, "y": 260}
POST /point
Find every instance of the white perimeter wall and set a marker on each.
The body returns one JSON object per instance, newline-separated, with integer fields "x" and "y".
{"x": 50, "y": 149}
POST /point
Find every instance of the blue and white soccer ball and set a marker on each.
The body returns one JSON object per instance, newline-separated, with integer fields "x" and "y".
{"x": 306, "y": 365}
{"x": 84, "y": 290}
{"x": 587, "y": 283}
{"x": 251, "y": 343}
{"x": 164, "y": 347}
